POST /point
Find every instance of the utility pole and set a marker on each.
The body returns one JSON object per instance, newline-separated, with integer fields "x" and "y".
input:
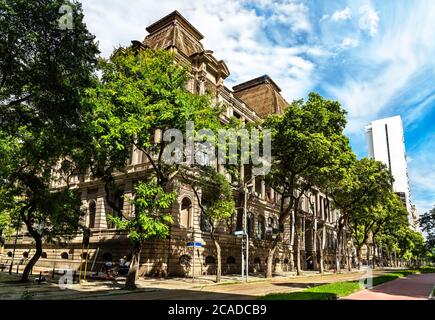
{"x": 245, "y": 229}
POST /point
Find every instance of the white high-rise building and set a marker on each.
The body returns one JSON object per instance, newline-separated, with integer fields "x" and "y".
{"x": 386, "y": 143}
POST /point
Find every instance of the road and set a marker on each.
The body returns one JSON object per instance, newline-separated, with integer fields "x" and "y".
{"x": 413, "y": 287}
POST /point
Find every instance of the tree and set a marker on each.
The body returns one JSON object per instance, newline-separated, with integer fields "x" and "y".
{"x": 362, "y": 185}
{"x": 412, "y": 246}
{"x": 142, "y": 94}
{"x": 380, "y": 214}
{"x": 306, "y": 140}
{"x": 215, "y": 198}
{"x": 150, "y": 221}
{"x": 44, "y": 69}
{"x": 394, "y": 217}
{"x": 427, "y": 225}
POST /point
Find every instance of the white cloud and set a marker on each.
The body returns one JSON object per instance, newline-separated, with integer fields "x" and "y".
{"x": 293, "y": 14}
{"x": 324, "y": 17}
{"x": 368, "y": 20}
{"x": 349, "y": 43}
{"x": 235, "y": 33}
{"x": 422, "y": 174}
{"x": 384, "y": 65}
{"x": 344, "y": 14}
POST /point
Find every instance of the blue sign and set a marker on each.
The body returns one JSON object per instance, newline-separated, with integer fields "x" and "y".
{"x": 193, "y": 244}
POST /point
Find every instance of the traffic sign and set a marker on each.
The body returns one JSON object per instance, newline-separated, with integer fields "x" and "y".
{"x": 193, "y": 244}
{"x": 238, "y": 233}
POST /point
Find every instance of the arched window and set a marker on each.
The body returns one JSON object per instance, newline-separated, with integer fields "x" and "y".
{"x": 44, "y": 255}
{"x": 92, "y": 213}
{"x": 25, "y": 254}
{"x": 231, "y": 260}
{"x": 9, "y": 254}
{"x": 64, "y": 255}
{"x": 261, "y": 227}
{"x": 185, "y": 212}
{"x": 271, "y": 222}
{"x": 210, "y": 260}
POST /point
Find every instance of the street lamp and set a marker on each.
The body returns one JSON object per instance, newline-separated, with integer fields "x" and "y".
{"x": 245, "y": 235}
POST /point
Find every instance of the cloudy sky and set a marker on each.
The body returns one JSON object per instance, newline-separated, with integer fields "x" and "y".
{"x": 375, "y": 57}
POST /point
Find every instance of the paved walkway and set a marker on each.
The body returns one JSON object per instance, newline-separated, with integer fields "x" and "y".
{"x": 241, "y": 291}
{"x": 413, "y": 287}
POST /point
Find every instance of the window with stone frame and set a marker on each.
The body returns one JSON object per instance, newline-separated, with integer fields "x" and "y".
{"x": 118, "y": 200}
{"x": 186, "y": 212}
{"x": 92, "y": 211}
{"x": 261, "y": 227}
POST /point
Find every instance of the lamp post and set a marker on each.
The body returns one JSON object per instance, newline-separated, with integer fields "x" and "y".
{"x": 245, "y": 235}
{"x": 245, "y": 229}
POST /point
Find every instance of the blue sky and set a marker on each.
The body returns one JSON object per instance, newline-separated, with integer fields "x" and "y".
{"x": 375, "y": 57}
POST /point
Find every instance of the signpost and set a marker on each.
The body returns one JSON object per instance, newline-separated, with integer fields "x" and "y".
{"x": 193, "y": 245}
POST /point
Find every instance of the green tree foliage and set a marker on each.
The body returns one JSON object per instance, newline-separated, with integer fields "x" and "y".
{"x": 215, "y": 198}
{"x": 43, "y": 71}
{"x": 374, "y": 221}
{"x": 357, "y": 190}
{"x": 142, "y": 93}
{"x": 306, "y": 141}
{"x": 427, "y": 225}
{"x": 151, "y": 220}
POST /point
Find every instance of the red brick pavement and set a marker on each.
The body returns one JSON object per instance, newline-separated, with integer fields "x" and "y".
{"x": 413, "y": 287}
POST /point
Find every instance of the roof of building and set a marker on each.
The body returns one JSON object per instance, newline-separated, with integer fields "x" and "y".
{"x": 262, "y": 95}
{"x": 255, "y": 82}
{"x": 175, "y": 15}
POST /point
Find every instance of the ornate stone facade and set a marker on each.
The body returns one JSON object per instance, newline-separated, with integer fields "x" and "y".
{"x": 248, "y": 101}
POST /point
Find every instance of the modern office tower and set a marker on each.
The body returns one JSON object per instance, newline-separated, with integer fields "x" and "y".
{"x": 386, "y": 143}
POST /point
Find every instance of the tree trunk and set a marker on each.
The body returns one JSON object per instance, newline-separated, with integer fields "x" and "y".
{"x": 338, "y": 251}
{"x": 368, "y": 255}
{"x": 35, "y": 258}
{"x": 349, "y": 263}
{"x": 359, "y": 255}
{"x": 130, "y": 283}
{"x": 269, "y": 265}
{"x": 374, "y": 254}
{"x": 314, "y": 241}
{"x": 298, "y": 247}
{"x": 218, "y": 257}
{"x": 321, "y": 247}
{"x": 292, "y": 242}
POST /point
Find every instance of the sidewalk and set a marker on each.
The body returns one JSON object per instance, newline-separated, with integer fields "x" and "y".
{"x": 413, "y": 287}
{"x": 203, "y": 287}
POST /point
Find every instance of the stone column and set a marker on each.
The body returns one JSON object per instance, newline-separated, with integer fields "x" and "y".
{"x": 263, "y": 189}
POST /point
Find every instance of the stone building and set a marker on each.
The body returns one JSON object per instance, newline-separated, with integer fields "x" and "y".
{"x": 249, "y": 101}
